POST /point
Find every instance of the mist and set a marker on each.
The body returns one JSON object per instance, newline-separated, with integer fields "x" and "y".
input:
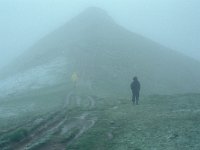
{"x": 174, "y": 24}
{"x": 93, "y": 74}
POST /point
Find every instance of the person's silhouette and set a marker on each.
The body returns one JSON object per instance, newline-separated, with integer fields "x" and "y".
{"x": 135, "y": 87}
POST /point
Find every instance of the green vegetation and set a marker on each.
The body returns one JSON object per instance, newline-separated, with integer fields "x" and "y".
{"x": 18, "y": 135}
{"x": 159, "y": 122}
{"x": 30, "y": 105}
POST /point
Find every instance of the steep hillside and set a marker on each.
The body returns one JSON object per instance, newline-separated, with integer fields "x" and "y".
{"x": 105, "y": 56}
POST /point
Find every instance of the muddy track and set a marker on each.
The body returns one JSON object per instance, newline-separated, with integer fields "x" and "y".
{"x": 60, "y": 129}
{"x": 73, "y": 128}
{"x": 69, "y": 132}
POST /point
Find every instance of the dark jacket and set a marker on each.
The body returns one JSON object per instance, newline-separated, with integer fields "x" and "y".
{"x": 135, "y": 86}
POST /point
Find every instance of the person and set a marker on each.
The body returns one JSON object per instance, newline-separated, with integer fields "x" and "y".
{"x": 135, "y": 88}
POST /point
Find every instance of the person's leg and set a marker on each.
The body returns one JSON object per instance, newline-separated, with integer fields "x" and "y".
{"x": 137, "y": 98}
{"x": 133, "y": 98}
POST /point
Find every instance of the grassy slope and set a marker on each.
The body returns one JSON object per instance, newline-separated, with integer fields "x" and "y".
{"x": 159, "y": 122}
{"x": 30, "y": 105}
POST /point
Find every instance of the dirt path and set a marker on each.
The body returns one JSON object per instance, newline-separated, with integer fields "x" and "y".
{"x": 61, "y": 129}
{"x": 74, "y": 127}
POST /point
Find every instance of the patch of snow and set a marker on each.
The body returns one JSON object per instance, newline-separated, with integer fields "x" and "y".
{"x": 83, "y": 116}
{"x": 34, "y": 78}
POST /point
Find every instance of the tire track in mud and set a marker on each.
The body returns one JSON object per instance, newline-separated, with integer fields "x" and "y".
{"x": 74, "y": 128}
{"x": 69, "y": 132}
{"x": 92, "y": 102}
{"x": 41, "y": 131}
{"x": 60, "y": 130}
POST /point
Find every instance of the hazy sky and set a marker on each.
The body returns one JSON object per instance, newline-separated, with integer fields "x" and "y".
{"x": 174, "y": 23}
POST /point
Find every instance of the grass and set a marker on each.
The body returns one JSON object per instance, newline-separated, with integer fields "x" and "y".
{"x": 18, "y": 135}
{"x": 159, "y": 122}
{"x": 31, "y": 105}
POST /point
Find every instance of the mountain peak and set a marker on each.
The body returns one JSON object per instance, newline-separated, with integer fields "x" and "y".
{"x": 94, "y": 14}
{"x": 96, "y": 10}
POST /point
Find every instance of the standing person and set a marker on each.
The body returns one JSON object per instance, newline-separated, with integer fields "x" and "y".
{"x": 135, "y": 87}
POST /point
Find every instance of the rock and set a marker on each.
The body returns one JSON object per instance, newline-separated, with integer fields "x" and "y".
{"x": 112, "y": 122}
{"x": 110, "y": 136}
{"x": 173, "y": 136}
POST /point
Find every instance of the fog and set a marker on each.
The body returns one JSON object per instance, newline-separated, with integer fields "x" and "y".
{"x": 73, "y": 76}
{"x": 173, "y": 23}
